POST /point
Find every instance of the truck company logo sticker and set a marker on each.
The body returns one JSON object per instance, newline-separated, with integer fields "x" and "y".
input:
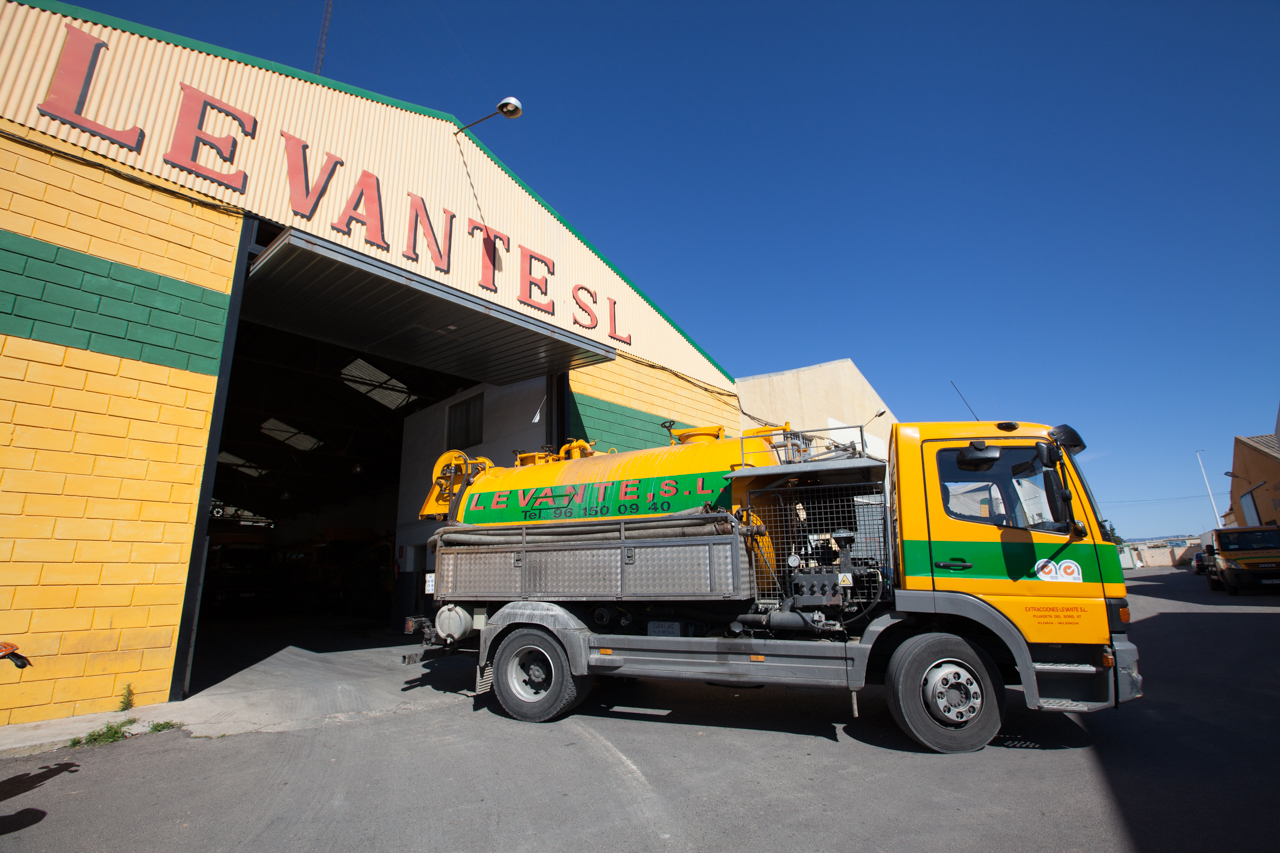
{"x": 639, "y": 496}
{"x": 1068, "y": 571}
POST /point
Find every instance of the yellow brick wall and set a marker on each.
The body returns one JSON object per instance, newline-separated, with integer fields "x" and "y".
{"x": 100, "y": 467}
{"x": 80, "y": 206}
{"x": 631, "y": 383}
{"x": 100, "y": 457}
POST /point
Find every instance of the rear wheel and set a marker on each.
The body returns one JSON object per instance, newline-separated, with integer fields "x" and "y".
{"x": 945, "y": 692}
{"x": 532, "y": 679}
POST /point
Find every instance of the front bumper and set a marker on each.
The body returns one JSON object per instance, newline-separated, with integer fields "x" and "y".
{"x": 1251, "y": 578}
{"x": 1128, "y": 681}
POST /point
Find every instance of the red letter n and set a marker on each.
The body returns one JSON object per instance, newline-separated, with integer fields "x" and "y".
{"x": 418, "y": 218}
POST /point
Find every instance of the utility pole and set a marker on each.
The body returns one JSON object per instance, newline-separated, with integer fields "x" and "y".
{"x": 1217, "y": 519}
{"x": 324, "y": 35}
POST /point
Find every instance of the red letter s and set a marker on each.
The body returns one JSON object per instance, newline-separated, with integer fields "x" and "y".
{"x": 585, "y": 307}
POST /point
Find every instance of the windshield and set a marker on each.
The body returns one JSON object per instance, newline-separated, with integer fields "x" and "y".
{"x": 1103, "y": 530}
{"x": 1014, "y": 492}
{"x": 1250, "y": 540}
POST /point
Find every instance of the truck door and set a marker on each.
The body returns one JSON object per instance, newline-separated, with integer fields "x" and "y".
{"x": 997, "y": 532}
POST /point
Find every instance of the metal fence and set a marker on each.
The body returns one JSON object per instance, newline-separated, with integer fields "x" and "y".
{"x": 809, "y": 445}
{"x": 802, "y": 523}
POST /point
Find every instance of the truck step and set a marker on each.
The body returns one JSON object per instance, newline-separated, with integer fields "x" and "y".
{"x": 1068, "y": 668}
{"x": 1072, "y": 705}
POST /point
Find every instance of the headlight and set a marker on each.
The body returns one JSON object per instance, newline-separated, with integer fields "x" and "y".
{"x": 1232, "y": 564}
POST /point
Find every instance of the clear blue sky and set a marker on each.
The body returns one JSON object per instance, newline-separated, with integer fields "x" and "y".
{"x": 1070, "y": 209}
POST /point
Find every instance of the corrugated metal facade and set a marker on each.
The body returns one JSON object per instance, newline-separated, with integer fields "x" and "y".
{"x": 137, "y": 82}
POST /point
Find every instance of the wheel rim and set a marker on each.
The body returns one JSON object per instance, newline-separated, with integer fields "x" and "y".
{"x": 530, "y": 674}
{"x": 952, "y": 692}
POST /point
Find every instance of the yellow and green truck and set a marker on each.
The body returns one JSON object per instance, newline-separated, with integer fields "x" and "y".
{"x": 1242, "y": 558}
{"x": 969, "y": 561}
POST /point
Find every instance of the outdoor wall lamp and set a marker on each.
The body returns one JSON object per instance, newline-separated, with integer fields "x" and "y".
{"x": 509, "y": 107}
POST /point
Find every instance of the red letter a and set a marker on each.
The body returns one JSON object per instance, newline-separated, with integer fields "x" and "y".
{"x": 369, "y": 193}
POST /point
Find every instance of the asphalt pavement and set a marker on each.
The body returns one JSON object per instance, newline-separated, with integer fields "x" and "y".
{"x": 652, "y": 766}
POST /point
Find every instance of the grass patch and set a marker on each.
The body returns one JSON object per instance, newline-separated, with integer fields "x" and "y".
{"x": 164, "y": 726}
{"x": 126, "y": 699}
{"x": 110, "y": 733}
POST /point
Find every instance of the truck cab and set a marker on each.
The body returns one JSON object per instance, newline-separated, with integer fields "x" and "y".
{"x": 1243, "y": 558}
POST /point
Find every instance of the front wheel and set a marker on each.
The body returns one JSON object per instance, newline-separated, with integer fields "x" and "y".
{"x": 945, "y": 692}
{"x": 1214, "y": 583}
{"x": 532, "y": 679}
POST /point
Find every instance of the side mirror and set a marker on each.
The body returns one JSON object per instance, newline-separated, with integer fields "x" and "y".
{"x": 978, "y": 456}
{"x": 1048, "y": 454}
{"x": 1210, "y": 551}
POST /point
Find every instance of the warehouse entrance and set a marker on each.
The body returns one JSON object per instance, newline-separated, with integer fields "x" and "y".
{"x": 346, "y": 383}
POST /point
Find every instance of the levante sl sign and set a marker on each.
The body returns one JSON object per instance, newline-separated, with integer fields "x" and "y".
{"x": 69, "y": 91}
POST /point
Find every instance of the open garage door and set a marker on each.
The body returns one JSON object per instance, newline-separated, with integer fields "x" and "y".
{"x": 317, "y": 472}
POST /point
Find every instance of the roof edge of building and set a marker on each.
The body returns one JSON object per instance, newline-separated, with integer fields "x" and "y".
{"x": 1268, "y": 443}
{"x": 796, "y": 369}
{"x": 94, "y": 17}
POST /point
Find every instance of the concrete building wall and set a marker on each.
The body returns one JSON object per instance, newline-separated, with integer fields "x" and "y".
{"x": 112, "y": 313}
{"x": 1256, "y": 464}
{"x": 817, "y": 397}
{"x": 508, "y": 426}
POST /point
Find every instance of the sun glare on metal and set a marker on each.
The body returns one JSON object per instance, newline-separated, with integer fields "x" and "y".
{"x": 290, "y": 436}
{"x": 241, "y": 465}
{"x": 373, "y": 383}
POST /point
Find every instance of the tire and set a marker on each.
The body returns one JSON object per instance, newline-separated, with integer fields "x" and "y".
{"x": 531, "y": 677}
{"x": 922, "y": 663}
{"x": 1214, "y": 583}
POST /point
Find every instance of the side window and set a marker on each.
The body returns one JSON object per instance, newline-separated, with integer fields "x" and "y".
{"x": 1013, "y": 491}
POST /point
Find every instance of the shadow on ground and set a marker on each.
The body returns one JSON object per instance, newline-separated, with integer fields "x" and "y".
{"x": 21, "y": 784}
{"x": 1191, "y": 765}
{"x": 226, "y": 648}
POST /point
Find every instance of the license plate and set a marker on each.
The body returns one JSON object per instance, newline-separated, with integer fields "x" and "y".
{"x": 1271, "y": 580}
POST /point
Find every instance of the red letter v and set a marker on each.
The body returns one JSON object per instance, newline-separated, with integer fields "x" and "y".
{"x": 303, "y": 197}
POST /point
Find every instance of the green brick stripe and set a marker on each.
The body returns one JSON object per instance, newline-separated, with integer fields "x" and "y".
{"x": 61, "y": 296}
{"x": 612, "y": 425}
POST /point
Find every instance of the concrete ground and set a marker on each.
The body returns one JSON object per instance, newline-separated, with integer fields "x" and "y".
{"x": 349, "y": 750}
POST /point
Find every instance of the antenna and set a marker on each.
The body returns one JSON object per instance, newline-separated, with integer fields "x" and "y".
{"x": 324, "y": 35}
{"x": 966, "y": 402}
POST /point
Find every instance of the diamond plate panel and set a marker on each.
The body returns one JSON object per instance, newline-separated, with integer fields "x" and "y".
{"x": 444, "y": 575}
{"x": 722, "y": 568}
{"x": 587, "y": 572}
{"x": 669, "y": 570}
{"x": 486, "y": 572}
